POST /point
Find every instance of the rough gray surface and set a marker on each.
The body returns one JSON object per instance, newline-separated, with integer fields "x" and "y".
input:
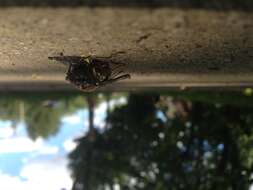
{"x": 162, "y": 47}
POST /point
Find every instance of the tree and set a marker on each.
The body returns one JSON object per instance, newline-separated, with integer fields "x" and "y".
{"x": 40, "y": 112}
{"x": 203, "y": 146}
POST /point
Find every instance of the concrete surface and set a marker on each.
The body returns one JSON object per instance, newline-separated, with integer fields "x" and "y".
{"x": 163, "y": 47}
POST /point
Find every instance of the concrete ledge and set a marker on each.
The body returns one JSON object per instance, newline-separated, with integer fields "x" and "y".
{"x": 164, "y": 47}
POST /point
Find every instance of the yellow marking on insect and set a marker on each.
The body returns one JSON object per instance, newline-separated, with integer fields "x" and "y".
{"x": 86, "y": 59}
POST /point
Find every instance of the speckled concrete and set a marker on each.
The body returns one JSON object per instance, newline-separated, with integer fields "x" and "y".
{"x": 163, "y": 47}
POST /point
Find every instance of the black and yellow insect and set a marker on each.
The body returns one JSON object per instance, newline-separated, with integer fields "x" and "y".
{"x": 90, "y": 73}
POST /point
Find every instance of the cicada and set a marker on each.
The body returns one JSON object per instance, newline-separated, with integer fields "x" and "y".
{"x": 89, "y": 73}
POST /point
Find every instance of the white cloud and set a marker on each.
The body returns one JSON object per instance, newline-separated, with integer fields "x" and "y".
{"x": 18, "y": 144}
{"x": 24, "y": 144}
{"x": 4, "y": 123}
{"x": 71, "y": 119}
{"x": 101, "y": 108}
{"x": 48, "y": 150}
{"x": 39, "y": 175}
{"x": 69, "y": 145}
{"x": 99, "y": 121}
{"x": 119, "y": 101}
{"x": 6, "y": 132}
{"x": 10, "y": 182}
{"x": 100, "y": 111}
{"x": 47, "y": 174}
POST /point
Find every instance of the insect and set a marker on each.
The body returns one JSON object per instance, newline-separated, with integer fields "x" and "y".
{"x": 90, "y": 73}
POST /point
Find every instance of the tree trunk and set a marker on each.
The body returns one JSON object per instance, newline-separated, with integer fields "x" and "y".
{"x": 91, "y": 107}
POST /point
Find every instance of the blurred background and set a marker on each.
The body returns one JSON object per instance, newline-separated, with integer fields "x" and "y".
{"x": 167, "y": 140}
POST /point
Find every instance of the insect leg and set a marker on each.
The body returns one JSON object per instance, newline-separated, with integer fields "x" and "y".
{"x": 68, "y": 72}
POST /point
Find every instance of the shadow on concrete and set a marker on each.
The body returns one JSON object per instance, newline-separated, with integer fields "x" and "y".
{"x": 218, "y": 5}
{"x": 233, "y": 58}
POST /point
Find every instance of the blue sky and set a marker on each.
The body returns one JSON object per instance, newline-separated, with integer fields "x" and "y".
{"x": 27, "y": 164}
{"x": 42, "y": 164}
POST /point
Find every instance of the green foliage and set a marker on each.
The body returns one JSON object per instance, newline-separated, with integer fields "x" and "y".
{"x": 41, "y": 112}
{"x": 10, "y": 110}
{"x": 43, "y": 121}
{"x": 203, "y": 146}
